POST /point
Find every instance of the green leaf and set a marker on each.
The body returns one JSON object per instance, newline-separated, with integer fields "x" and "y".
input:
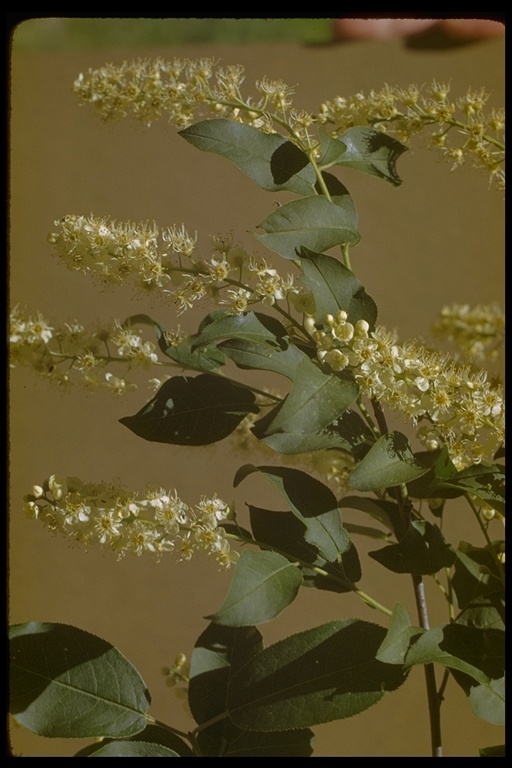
{"x": 478, "y": 654}
{"x": 65, "y": 682}
{"x": 218, "y": 652}
{"x": 186, "y": 353}
{"x": 259, "y": 356}
{"x": 156, "y": 734}
{"x": 270, "y": 160}
{"x": 476, "y": 575}
{"x": 389, "y": 462}
{"x": 335, "y": 287}
{"x": 314, "y": 401}
{"x": 132, "y": 749}
{"x": 323, "y": 674}
{"x": 264, "y": 584}
{"x": 372, "y": 152}
{"x": 488, "y": 701}
{"x": 283, "y": 531}
{"x": 386, "y": 512}
{"x": 253, "y": 326}
{"x": 332, "y": 150}
{"x": 395, "y": 645}
{"x": 495, "y": 751}
{"x": 487, "y": 483}
{"x": 313, "y": 222}
{"x": 192, "y": 411}
{"x": 422, "y": 550}
{"x": 312, "y": 502}
{"x": 347, "y": 432}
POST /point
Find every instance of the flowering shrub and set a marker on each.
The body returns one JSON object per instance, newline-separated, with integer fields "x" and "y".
{"x": 313, "y": 323}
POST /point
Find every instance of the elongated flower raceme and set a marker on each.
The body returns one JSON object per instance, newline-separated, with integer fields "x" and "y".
{"x": 157, "y": 522}
{"x": 460, "y": 129}
{"x": 457, "y": 406}
{"x": 477, "y": 332}
{"x": 71, "y": 354}
{"x": 153, "y": 259}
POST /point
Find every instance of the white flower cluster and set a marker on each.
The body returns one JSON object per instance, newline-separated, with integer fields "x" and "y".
{"x": 151, "y": 258}
{"x": 159, "y": 522}
{"x": 478, "y": 332}
{"x": 461, "y": 408}
{"x": 72, "y": 354}
{"x": 148, "y": 89}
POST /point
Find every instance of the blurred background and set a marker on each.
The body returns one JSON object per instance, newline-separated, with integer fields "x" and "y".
{"x": 435, "y": 240}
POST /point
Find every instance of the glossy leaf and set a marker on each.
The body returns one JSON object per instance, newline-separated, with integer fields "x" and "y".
{"x": 332, "y": 150}
{"x": 312, "y": 502}
{"x": 312, "y": 222}
{"x": 389, "y": 462}
{"x": 476, "y": 653}
{"x": 186, "y": 353}
{"x": 323, "y": 674}
{"x": 264, "y": 584}
{"x": 192, "y": 411}
{"x": 284, "y": 532}
{"x": 272, "y": 161}
{"x": 253, "y": 326}
{"x": 372, "y": 152}
{"x": 395, "y": 645}
{"x": 218, "y": 652}
{"x": 422, "y": 550}
{"x": 476, "y": 575}
{"x": 488, "y": 701}
{"x": 156, "y": 734}
{"x": 386, "y": 512}
{"x": 260, "y": 356}
{"x": 314, "y": 401}
{"x": 347, "y": 433}
{"x": 69, "y": 683}
{"x": 132, "y": 749}
{"x": 335, "y": 287}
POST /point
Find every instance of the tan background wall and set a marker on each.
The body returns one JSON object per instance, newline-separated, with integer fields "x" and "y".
{"x": 436, "y": 239}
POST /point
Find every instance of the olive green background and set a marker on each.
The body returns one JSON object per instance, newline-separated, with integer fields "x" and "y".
{"x": 436, "y": 239}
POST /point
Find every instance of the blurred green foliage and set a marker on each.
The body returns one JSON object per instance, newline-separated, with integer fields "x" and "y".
{"x": 57, "y": 34}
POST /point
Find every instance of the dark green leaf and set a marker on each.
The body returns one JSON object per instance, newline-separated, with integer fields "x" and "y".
{"x": 313, "y": 222}
{"x": 264, "y": 584}
{"x": 334, "y": 187}
{"x": 68, "y": 683}
{"x": 323, "y": 674}
{"x": 335, "y": 287}
{"x": 260, "y": 356}
{"x": 153, "y": 734}
{"x": 386, "y": 512}
{"x": 132, "y": 749}
{"x": 347, "y": 432}
{"x": 284, "y": 532}
{"x": 478, "y": 654}
{"x": 422, "y": 550}
{"x": 395, "y": 645}
{"x": 476, "y": 575}
{"x": 488, "y": 701}
{"x": 332, "y": 150}
{"x": 484, "y": 613}
{"x": 314, "y": 401}
{"x": 272, "y": 161}
{"x": 186, "y": 353}
{"x": 312, "y": 502}
{"x": 487, "y": 483}
{"x": 389, "y": 462}
{"x": 372, "y": 152}
{"x": 192, "y": 411}
{"x": 217, "y": 652}
{"x": 496, "y": 751}
{"x": 253, "y": 326}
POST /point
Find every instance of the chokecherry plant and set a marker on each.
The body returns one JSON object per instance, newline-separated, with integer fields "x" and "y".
{"x": 316, "y": 327}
